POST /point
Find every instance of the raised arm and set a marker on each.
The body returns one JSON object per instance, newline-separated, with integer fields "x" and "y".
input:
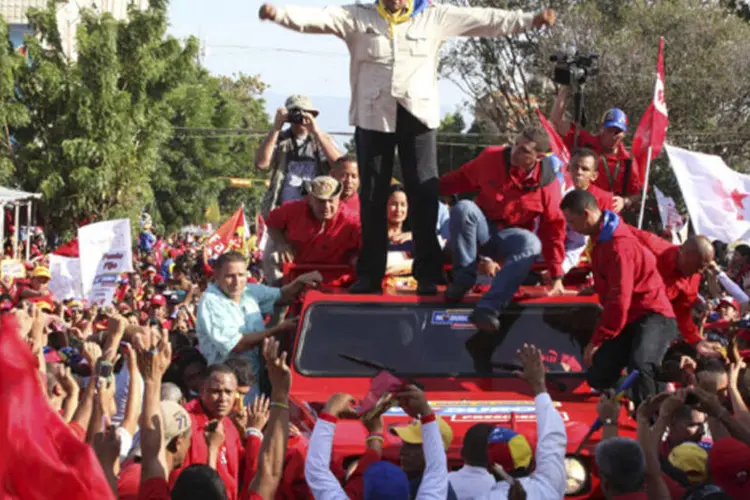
{"x": 487, "y": 22}
{"x": 331, "y": 20}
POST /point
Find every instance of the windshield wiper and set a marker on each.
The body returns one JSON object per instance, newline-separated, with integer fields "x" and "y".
{"x": 377, "y": 366}
{"x": 511, "y": 367}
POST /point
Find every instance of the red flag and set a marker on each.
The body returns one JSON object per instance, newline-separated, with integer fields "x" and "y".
{"x": 40, "y": 458}
{"x": 652, "y": 130}
{"x": 224, "y": 240}
{"x": 555, "y": 141}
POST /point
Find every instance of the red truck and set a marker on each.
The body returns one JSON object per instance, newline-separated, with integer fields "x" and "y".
{"x": 342, "y": 338}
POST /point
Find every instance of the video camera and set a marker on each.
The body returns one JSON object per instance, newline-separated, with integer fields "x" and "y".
{"x": 575, "y": 68}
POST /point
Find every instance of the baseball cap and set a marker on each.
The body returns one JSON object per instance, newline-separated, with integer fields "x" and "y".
{"x": 158, "y": 300}
{"x": 691, "y": 459}
{"x": 729, "y": 463}
{"x": 509, "y": 449}
{"x": 323, "y": 187}
{"x": 616, "y": 118}
{"x": 729, "y": 301}
{"x": 41, "y": 272}
{"x": 412, "y": 433}
{"x": 301, "y": 102}
{"x": 176, "y": 422}
{"x": 385, "y": 480}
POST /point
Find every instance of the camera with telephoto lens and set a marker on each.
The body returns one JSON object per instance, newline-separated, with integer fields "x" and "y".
{"x": 295, "y": 116}
{"x": 570, "y": 69}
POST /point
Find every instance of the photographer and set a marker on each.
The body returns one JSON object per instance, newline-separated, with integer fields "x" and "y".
{"x": 295, "y": 155}
{"x": 617, "y": 170}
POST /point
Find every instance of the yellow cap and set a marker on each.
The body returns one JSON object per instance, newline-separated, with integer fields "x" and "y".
{"x": 412, "y": 433}
{"x": 692, "y": 460}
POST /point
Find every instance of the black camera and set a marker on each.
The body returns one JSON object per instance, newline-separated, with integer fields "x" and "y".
{"x": 576, "y": 68}
{"x": 295, "y": 116}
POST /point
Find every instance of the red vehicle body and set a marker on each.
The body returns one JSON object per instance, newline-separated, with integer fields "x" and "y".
{"x": 423, "y": 338}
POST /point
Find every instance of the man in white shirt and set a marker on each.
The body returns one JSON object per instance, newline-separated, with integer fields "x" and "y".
{"x": 549, "y": 477}
{"x": 394, "y": 47}
{"x": 473, "y": 480}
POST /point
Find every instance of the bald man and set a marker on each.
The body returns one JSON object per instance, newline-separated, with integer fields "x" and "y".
{"x": 681, "y": 268}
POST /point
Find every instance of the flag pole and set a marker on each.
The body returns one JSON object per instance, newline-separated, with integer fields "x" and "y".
{"x": 645, "y": 189}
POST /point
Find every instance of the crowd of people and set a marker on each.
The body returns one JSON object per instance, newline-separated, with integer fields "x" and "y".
{"x": 182, "y": 384}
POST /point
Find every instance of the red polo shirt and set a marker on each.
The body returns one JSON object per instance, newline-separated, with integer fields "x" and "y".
{"x": 627, "y": 282}
{"x": 335, "y": 242}
{"x": 682, "y": 290}
{"x": 352, "y": 203}
{"x": 611, "y": 168}
{"x": 512, "y": 198}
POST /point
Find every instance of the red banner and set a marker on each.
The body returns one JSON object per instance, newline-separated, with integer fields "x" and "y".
{"x": 652, "y": 130}
{"x": 230, "y": 236}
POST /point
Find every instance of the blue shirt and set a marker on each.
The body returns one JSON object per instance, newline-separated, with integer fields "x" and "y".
{"x": 221, "y": 322}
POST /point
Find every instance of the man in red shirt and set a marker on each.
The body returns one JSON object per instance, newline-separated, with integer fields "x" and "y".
{"x": 618, "y": 171}
{"x": 681, "y": 268}
{"x": 346, "y": 171}
{"x": 315, "y": 229}
{"x": 37, "y": 290}
{"x": 515, "y": 189}
{"x": 637, "y": 324}
{"x": 216, "y": 401}
{"x": 583, "y": 174}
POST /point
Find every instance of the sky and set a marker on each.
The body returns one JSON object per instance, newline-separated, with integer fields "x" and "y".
{"x": 290, "y": 63}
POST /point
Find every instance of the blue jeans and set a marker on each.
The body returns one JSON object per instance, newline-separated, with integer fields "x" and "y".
{"x": 472, "y": 234}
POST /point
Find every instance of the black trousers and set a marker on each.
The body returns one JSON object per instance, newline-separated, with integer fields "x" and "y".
{"x": 640, "y": 346}
{"x": 417, "y": 152}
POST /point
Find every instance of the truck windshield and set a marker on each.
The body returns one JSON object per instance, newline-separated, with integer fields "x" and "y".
{"x": 429, "y": 340}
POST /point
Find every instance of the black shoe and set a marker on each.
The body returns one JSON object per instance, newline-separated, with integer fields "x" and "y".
{"x": 426, "y": 288}
{"x": 485, "y": 320}
{"x": 363, "y": 286}
{"x": 456, "y": 292}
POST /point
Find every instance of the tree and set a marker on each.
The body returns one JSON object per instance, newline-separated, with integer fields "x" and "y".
{"x": 99, "y": 136}
{"x": 12, "y": 113}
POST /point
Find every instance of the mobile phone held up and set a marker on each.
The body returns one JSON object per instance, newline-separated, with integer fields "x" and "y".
{"x": 105, "y": 369}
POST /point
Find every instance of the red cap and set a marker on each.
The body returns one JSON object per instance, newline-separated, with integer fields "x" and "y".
{"x": 729, "y": 461}
{"x": 158, "y": 300}
{"x": 731, "y": 302}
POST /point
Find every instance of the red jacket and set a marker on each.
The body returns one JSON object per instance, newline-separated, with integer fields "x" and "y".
{"x": 605, "y": 199}
{"x": 510, "y": 203}
{"x": 682, "y": 290}
{"x": 625, "y": 278}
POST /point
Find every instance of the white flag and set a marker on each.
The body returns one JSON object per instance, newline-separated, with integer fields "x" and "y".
{"x": 716, "y": 196}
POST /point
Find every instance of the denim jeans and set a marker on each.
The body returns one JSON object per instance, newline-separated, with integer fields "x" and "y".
{"x": 641, "y": 345}
{"x": 472, "y": 234}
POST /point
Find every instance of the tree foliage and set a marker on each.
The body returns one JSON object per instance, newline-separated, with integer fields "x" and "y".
{"x": 99, "y": 136}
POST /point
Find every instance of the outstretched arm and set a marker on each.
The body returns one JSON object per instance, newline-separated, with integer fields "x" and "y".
{"x": 332, "y": 20}
{"x": 474, "y": 21}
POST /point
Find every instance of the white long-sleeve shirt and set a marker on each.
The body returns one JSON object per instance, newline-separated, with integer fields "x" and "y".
{"x": 547, "y": 482}
{"x": 324, "y": 485}
{"x": 733, "y": 289}
{"x": 471, "y": 482}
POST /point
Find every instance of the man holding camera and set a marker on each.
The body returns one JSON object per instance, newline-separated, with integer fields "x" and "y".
{"x": 295, "y": 155}
{"x": 394, "y": 46}
{"x": 617, "y": 170}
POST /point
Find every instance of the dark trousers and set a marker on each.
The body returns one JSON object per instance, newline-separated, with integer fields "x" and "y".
{"x": 417, "y": 153}
{"x": 640, "y": 346}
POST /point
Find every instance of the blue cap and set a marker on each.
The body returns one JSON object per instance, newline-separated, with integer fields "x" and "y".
{"x": 384, "y": 480}
{"x": 616, "y": 118}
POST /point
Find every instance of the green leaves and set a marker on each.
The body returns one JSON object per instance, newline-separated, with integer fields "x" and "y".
{"x": 96, "y": 134}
